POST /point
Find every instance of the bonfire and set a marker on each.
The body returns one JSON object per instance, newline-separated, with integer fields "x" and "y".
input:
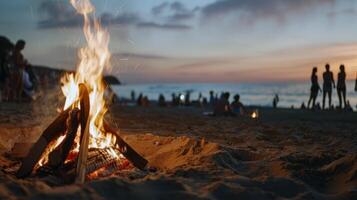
{"x": 80, "y": 143}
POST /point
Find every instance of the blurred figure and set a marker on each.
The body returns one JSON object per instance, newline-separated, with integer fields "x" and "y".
{"x": 341, "y": 86}
{"x": 187, "y": 98}
{"x": 222, "y": 107}
{"x": 204, "y": 101}
{"x": 28, "y": 86}
{"x": 303, "y": 107}
{"x": 315, "y": 87}
{"x": 237, "y": 106}
{"x": 211, "y": 98}
{"x": 161, "y": 100}
{"x": 199, "y": 99}
{"x": 327, "y": 85}
{"x": 4, "y": 75}
{"x": 174, "y": 100}
{"x": 18, "y": 65}
{"x": 132, "y": 95}
{"x": 348, "y": 107}
{"x": 318, "y": 106}
{"x": 356, "y": 84}
{"x": 275, "y": 101}
{"x": 145, "y": 101}
{"x": 139, "y": 101}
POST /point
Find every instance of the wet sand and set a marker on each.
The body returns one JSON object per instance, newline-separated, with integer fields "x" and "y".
{"x": 289, "y": 154}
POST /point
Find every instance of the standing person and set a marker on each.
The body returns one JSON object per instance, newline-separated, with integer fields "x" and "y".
{"x": 4, "y": 75}
{"x": 211, "y": 98}
{"x": 356, "y": 84}
{"x": 341, "y": 86}
{"x": 315, "y": 87}
{"x": 275, "y": 101}
{"x": 327, "y": 86}
{"x": 19, "y": 63}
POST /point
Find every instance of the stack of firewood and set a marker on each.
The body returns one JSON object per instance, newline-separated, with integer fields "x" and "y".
{"x": 67, "y": 123}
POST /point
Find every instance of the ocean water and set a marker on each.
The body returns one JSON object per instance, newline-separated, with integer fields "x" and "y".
{"x": 290, "y": 94}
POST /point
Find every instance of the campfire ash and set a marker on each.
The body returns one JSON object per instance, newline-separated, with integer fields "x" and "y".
{"x": 79, "y": 143}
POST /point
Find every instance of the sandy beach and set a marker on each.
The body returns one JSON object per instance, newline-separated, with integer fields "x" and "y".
{"x": 286, "y": 154}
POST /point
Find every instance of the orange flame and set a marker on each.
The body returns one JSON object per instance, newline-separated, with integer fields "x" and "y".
{"x": 93, "y": 59}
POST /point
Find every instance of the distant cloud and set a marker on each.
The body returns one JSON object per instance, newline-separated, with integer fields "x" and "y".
{"x": 252, "y": 10}
{"x": 60, "y": 14}
{"x": 347, "y": 11}
{"x": 140, "y": 56}
{"x": 157, "y": 10}
{"x": 123, "y": 19}
{"x": 165, "y": 26}
{"x": 174, "y": 11}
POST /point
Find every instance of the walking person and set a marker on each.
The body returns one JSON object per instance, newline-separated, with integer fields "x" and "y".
{"x": 327, "y": 86}
{"x": 315, "y": 88}
{"x": 341, "y": 86}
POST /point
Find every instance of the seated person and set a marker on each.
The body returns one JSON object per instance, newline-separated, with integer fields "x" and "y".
{"x": 348, "y": 106}
{"x": 237, "y": 106}
{"x": 222, "y": 107}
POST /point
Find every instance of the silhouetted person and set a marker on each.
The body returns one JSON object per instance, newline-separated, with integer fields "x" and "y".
{"x": 275, "y": 101}
{"x": 132, "y": 94}
{"x": 356, "y": 83}
{"x": 315, "y": 87}
{"x": 318, "y": 106}
{"x": 222, "y": 107}
{"x": 174, "y": 100}
{"x": 303, "y": 107}
{"x": 18, "y": 65}
{"x": 348, "y": 107}
{"x": 199, "y": 99}
{"x": 204, "y": 101}
{"x": 145, "y": 101}
{"x": 187, "y": 98}
{"x": 237, "y": 106}
{"x": 211, "y": 98}
{"x": 327, "y": 86}
{"x": 4, "y": 75}
{"x": 162, "y": 101}
{"x": 341, "y": 86}
{"x": 139, "y": 101}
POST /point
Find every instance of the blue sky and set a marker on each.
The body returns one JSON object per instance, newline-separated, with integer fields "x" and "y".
{"x": 194, "y": 40}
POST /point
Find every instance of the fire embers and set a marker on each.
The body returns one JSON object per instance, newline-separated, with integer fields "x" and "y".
{"x": 100, "y": 163}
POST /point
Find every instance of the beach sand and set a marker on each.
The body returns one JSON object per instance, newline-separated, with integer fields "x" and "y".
{"x": 286, "y": 154}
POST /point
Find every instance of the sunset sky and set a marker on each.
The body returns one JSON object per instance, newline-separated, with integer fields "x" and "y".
{"x": 194, "y": 40}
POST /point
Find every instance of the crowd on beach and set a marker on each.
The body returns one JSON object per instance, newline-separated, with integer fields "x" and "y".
{"x": 18, "y": 81}
{"x": 219, "y": 102}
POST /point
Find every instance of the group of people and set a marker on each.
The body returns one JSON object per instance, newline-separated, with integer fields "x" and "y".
{"x": 220, "y": 103}
{"x": 225, "y": 108}
{"x": 328, "y": 85}
{"x": 17, "y": 80}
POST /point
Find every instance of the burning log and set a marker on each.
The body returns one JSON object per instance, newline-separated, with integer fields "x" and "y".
{"x": 128, "y": 152}
{"x": 58, "y": 156}
{"x": 53, "y": 131}
{"x": 83, "y": 151}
